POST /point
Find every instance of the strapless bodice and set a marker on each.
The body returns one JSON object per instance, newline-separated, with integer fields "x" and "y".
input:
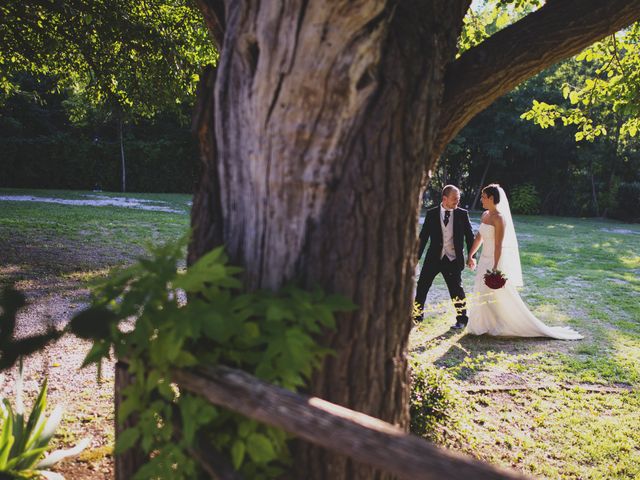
{"x": 488, "y": 239}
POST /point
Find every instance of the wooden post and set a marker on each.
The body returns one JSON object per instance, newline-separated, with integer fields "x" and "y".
{"x": 127, "y": 463}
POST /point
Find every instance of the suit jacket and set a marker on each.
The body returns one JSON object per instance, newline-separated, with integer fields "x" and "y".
{"x": 431, "y": 229}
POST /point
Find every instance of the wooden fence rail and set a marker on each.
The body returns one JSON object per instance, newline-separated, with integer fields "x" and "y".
{"x": 347, "y": 432}
{"x": 359, "y": 436}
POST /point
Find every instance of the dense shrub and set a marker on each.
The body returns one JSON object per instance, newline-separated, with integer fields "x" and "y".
{"x": 627, "y": 206}
{"x": 525, "y": 199}
{"x": 76, "y": 161}
{"x": 433, "y": 400}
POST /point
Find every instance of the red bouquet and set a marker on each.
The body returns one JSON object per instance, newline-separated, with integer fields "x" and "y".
{"x": 494, "y": 279}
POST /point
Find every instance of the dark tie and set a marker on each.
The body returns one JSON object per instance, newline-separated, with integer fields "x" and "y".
{"x": 447, "y": 213}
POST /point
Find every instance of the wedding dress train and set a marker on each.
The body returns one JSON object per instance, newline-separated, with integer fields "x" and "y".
{"x": 502, "y": 312}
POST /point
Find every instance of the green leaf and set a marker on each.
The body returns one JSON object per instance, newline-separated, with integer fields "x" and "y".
{"x": 251, "y": 330}
{"x": 37, "y": 419}
{"x": 185, "y": 359}
{"x": 237, "y": 453}
{"x": 127, "y": 439}
{"x": 246, "y": 427}
{"x": 130, "y": 404}
{"x": 503, "y": 20}
{"x": 99, "y": 350}
{"x": 6, "y": 439}
{"x": 574, "y": 97}
{"x": 339, "y": 303}
{"x": 259, "y": 448}
{"x": 277, "y": 311}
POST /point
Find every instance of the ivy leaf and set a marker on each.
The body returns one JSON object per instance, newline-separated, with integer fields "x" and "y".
{"x": 259, "y": 448}
{"x": 127, "y": 440}
{"x": 99, "y": 350}
{"x": 237, "y": 453}
{"x": 338, "y": 303}
{"x": 94, "y": 323}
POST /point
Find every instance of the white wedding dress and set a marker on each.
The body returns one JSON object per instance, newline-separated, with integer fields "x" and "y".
{"x": 502, "y": 312}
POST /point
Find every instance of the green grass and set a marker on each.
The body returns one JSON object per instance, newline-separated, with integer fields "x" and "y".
{"x": 74, "y": 237}
{"x": 579, "y": 272}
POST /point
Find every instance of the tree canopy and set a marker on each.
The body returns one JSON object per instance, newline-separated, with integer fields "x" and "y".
{"x": 139, "y": 57}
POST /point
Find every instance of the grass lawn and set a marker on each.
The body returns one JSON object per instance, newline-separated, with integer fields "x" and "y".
{"x": 59, "y": 233}
{"x": 49, "y": 250}
{"x": 551, "y": 408}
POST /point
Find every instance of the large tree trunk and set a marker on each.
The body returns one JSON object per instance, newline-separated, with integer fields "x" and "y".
{"x": 325, "y": 114}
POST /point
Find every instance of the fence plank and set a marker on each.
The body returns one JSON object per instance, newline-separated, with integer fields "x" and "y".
{"x": 364, "y": 438}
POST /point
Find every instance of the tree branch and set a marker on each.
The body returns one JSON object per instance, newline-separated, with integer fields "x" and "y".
{"x": 556, "y": 31}
{"x": 213, "y": 12}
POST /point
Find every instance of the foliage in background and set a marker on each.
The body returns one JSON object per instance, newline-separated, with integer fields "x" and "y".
{"x": 600, "y": 102}
{"x": 628, "y": 204}
{"x": 486, "y": 17}
{"x": 76, "y": 160}
{"x": 131, "y": 56}
{"x": 604, "y": 98}
{"x": 572, "y": 179}
{"x": 24, "y": 440}
{"x": 42, "y": 148}
{"x": 97, "y": 68}
{"x": 268, "y": 334}
{"x": 498, "y": 145}
{"x": 525, "y": 199}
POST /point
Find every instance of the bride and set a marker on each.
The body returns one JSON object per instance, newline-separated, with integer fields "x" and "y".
{"x": 502, "y": 312}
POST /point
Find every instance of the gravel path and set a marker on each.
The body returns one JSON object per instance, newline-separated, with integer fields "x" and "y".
{"x": 54, "y": 292}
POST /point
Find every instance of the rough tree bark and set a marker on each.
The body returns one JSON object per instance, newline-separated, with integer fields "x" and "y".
{"x": 316, "y": 129}
{"x": 323, "y": 115}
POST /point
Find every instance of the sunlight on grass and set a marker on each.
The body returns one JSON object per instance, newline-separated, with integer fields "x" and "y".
{"x": 88, "y": 275}
{"x": 630, "y": 262}
{"x": 553, "y": 424}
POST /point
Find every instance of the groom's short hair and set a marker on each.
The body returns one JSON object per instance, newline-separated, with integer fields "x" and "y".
{"x": 448, "y": 189}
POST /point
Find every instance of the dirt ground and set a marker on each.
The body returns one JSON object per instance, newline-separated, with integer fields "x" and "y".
{"x": 52, "y": 280}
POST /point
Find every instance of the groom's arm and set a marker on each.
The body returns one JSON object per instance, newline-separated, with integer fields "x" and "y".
{"x": 468, "y": 232}
{"x": 425, "y": 233}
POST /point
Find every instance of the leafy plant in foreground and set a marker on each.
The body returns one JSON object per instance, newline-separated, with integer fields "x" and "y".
{"x": 23, "y": 443}
{"x": 141, "y": 313}
{"x": 432, "y": 400}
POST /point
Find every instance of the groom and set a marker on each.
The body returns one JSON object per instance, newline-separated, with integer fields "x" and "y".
{"x": 446, "y": 225}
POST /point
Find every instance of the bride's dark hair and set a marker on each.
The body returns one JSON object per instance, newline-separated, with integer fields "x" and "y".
{"x": 492, "y": 190}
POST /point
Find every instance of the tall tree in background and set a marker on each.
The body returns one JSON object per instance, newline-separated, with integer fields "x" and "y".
{"x": 318, "y": 132}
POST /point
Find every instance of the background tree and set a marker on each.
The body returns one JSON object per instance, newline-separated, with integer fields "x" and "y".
{"x": 118, "y": 61}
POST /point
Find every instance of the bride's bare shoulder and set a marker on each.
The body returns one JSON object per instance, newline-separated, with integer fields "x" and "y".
{"x": 498, "y": 220}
